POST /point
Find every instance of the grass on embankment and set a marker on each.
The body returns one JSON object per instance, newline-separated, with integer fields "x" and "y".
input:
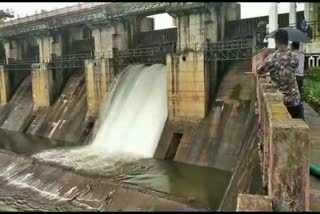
{"x": 312, "y": 88}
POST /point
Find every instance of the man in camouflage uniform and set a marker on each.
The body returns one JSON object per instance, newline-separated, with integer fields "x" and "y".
{"x": 282, "y": 65}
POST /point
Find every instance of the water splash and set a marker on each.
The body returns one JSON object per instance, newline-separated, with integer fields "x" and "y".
{"x": 130, "y": 123}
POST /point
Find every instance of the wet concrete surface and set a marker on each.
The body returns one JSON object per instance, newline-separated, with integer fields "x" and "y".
{"x": 66, "y": 119}
{"x": 28, "y": 145}
{"x": 29, "y": 185}
{"x": 17, "y": 114}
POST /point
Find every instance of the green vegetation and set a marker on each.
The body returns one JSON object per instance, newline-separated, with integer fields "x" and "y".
{"x": 312, "y": 88}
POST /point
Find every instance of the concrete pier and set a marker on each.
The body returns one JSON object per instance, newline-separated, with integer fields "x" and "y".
{"x": 273, "y": 23}
{"x": 42, "y": 85}
{"x": 99, "y": 76}
{"x": 293, "y": 14}
{"x": 4, "y": 85}
{"x": 187, "y": 86}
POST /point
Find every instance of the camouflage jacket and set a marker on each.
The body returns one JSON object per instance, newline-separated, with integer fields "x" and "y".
{"x": 282, "y": 65}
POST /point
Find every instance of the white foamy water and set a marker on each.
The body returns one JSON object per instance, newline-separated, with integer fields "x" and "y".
{"x": 131, "y": 121}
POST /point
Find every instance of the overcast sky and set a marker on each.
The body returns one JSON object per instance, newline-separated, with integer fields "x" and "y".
{"x": 161, "y": 21}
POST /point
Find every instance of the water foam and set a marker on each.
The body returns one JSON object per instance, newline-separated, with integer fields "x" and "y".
{"x": 131, "y": 121}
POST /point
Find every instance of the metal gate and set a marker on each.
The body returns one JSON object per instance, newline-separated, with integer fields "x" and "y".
{"x": 229, "y": 50}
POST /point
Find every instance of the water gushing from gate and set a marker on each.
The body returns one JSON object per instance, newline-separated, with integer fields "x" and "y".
{"x": 130, "y": 122}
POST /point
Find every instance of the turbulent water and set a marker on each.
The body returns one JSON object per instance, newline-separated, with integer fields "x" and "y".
{"x": 131, "y": 121}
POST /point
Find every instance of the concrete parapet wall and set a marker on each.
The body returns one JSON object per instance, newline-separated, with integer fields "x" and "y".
{"x": 187, "y": 86}
{"x": 99, "y": 75}
{"x": 286, "y": 148}
{"x": 4, "y": 85}
{"x": 42, "y": 85}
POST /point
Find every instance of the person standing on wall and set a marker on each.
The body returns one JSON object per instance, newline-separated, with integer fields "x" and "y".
{"x": 282, "y": 65}
{"x": 300, "y": 71}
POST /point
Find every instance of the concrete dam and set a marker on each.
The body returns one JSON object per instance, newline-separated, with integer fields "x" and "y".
{"x": 100, "y": 112}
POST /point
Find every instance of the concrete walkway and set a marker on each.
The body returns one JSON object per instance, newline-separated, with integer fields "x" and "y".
{"x": 313, "y": 120}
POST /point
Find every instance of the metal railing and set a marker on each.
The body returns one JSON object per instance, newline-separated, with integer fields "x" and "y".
{"x": 218, "y": 51}
{"x": 229, "y": 50}
{"x": 20, "y": 65}
{"x": 70, "y": 61}
{"x": 146, "y": 52}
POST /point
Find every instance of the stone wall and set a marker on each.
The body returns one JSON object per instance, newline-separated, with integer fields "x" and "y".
{"x": 286, "y": 149}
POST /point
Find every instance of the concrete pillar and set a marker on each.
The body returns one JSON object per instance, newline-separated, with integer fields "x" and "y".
{"x": 109, "y": 37}
{"x": 233, "y": 11}
{"x": 103, "y": 41}
{"x": 4, "y": 85}
{"x": 57, "y": 44}
{"x": 136, "y": 25}
{"x": 99, "y": 76}
{"x": 188, "y": 87}
{"x": 211, "y": 22}
{"x": 146, "y": 24}
{"x": 42, "y": 85}
{"x": 45, "y": 49}
{"x": 307, "y": 11}
{"x": 195, "y": 29}
{"x": 293, "y": 14}
{"x": 13, "y": 50}
{"x": 191, "y": 31}
{"x": 7, "y": 50}
{"x": 222, "y": 21}
{"x": 273, "y": 23}
{"x": 311, "y": 11}
{"x": 49, "y": 45}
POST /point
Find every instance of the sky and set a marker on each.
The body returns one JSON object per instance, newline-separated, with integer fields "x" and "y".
{"x": 248, "y": 10}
